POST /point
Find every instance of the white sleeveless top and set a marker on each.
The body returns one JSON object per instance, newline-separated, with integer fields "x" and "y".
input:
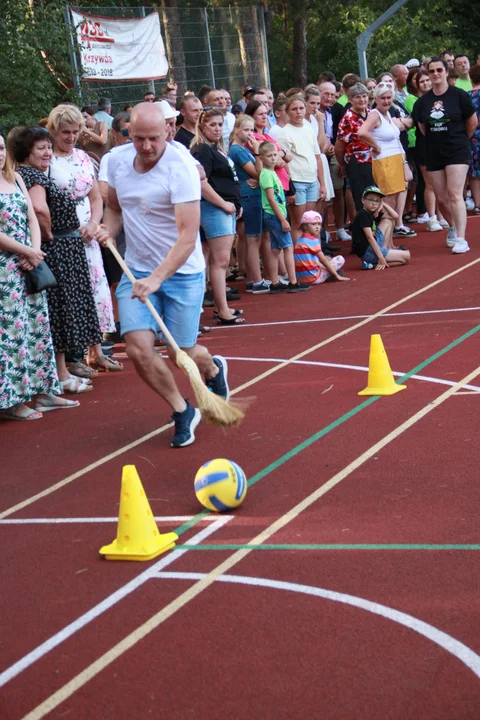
{"x": 387, "y": 136}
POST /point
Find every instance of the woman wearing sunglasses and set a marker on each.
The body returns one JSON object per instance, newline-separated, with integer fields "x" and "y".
{"x": 447, "y": 118}
{"x": 382, "y": 133}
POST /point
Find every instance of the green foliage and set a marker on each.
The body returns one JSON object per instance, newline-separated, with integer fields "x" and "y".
{"x": 416, "y": 30}
{"x": 30, "y": 88}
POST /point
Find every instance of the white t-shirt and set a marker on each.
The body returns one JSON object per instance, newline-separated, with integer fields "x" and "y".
{"x": 103, "y": 170}
{"x": 147, "y": 201}
{"x": 302, "y": 143}
{"x": 274, "y": 131}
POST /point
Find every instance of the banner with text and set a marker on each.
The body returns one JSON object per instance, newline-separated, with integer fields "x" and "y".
{"x": 116, "y": 49}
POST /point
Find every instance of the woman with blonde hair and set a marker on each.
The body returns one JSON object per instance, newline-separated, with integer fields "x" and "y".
{"x": 299, "y": 140}
{"x": 27, "y": 361}
{"x": 382, "y": 133}
{"x": 71, "y": 169}
{"x": 218, "y": 218}
{"x": 244, "y": 153}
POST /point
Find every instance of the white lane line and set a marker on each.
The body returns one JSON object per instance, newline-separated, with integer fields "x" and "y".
{"x": 346, "y": 317}
{"x": 81, "y": 520}
{"x": 129, "y": 641}
{"x": 448, "y": 643}
{"x": 69, "y": 630}
{"x": 362, "y": 368}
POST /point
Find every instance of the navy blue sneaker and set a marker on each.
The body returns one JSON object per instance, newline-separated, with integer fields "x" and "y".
{"x": 219, "y": 383}
{"x": 185, "y": 424}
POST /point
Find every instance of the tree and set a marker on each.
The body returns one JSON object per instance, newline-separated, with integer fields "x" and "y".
{"x": 35, "y": 67}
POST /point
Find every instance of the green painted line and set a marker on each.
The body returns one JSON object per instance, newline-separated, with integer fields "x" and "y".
{"x": 333, "y": 425}
{"x": 333, "y": 546}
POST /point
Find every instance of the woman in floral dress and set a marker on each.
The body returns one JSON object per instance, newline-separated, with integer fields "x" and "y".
{"x": 27, "y": 361}
{"x": 72, "y": 170}
{"x": 71, "y": 307}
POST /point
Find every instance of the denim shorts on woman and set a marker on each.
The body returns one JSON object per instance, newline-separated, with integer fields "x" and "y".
{"x": 215, "y": 222}
{"x": 278, "y": 238}
{"x": 306, "y": 192}
{"x": 252, "y": 214}
{"x": 370, "y": 256}
{"x": 178, "y": 301}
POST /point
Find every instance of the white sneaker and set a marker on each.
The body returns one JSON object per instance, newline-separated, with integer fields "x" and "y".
{"x": 342, "y": 234}
{"x": 469, "y": 204}
{"x": 423, "y": 218}
{"x": 451, "y": 237}
{"x": 433, "y": 225}
{"x": 444, "y": 224}
{"x": 461, "y": 246}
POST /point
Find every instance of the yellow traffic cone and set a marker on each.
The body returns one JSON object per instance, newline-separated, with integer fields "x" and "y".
{"x": 138, "y": 537}
{"x": 380, "y": 377}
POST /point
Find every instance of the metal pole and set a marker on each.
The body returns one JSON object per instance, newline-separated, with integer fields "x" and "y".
{"x": 73, "y": 55}
{"x": 266, "y": 65}
{"x": 210, "y": 56}
{"x": 364, "y": 38}
{"x": 151, "y": 82}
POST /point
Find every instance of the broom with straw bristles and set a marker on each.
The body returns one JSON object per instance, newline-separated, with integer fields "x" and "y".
{"x": 214, "y": 409}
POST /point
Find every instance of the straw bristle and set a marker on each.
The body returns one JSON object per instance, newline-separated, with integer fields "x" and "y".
{"x": 214, "y": 409}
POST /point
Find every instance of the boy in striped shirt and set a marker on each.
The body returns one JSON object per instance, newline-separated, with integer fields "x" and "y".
{"x": 311, "y": 265}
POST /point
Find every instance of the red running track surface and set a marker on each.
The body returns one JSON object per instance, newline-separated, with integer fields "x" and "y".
{"x": 327, "y": 625}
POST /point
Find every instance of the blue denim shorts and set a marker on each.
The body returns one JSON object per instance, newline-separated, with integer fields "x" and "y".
{"x": 370, "y": 256}
{"x": 278, "y": 238}
{"x": 178, "y": 301}
{"x": 215, "y": 222}
{"x": 252, "y": 214}
{"x": 306, "y": 192}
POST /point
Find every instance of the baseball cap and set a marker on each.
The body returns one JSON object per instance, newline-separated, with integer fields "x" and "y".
{"x": 249, "y": 89}
{"x": 372, "y": 189}
{"x": 310, "y": 217}
{"x": 412, "y": 63}
{"x": 168, "y": 110}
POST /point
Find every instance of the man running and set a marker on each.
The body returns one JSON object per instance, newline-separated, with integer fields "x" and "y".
{"x": 154, "y": 192}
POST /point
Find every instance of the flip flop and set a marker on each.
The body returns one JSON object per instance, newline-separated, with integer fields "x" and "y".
{"x": 81, "y": 370}
{"x": 25, "y": 414}
{"x": 237, "y": 313}
{"x": 49, "y": 403}
{"x": 235, "y": 320}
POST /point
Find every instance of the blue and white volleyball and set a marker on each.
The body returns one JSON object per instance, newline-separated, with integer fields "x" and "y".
{"x": 220, "y": 485}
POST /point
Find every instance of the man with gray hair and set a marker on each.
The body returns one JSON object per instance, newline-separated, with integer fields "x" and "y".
{"x": 154, "y": 193}
{"x": 103, "y": 113}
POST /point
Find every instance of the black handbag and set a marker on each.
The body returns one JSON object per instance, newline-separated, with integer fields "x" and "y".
{"x": 291, "y": 189}
{"x": 40, "y": 278}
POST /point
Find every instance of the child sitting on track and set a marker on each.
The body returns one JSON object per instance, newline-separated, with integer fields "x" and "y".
{"x": 372, "y": 233}
{"x": 311, "y": 265}
{"x": 275, "y": 219}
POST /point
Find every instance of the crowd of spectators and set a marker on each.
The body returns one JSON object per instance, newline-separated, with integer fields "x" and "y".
{"x": 378, "y": 155}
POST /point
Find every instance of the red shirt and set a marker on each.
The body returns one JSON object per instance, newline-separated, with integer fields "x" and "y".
{"x": 348, "y": 128}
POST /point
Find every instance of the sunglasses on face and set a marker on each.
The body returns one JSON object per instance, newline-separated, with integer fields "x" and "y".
{"x": 125, "y": 132}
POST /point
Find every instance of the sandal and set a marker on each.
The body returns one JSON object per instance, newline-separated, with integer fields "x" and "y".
{"x": 85, "y": 381}
{"x": 79, "y": 369}
{"x": 53, "y": 402}
{"x": 105, "y": 364}
{"x": 20, "y": 412}
{"x": 235, "y": 320}
{"x": 72, "y": 386}
{"x": 476, "y": 210}
{"x": 237, "y": 313}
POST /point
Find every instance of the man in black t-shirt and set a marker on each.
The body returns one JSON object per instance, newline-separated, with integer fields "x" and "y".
{"x": 372, "y": 233}
{"x": 190, "y": 109}
{"x": 446, "y": 116}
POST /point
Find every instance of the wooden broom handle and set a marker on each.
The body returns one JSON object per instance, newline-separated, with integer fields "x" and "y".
{"x": 149, "y": 305}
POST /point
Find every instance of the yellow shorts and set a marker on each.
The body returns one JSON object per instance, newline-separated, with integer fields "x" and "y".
{"x": 388, "y": 174}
